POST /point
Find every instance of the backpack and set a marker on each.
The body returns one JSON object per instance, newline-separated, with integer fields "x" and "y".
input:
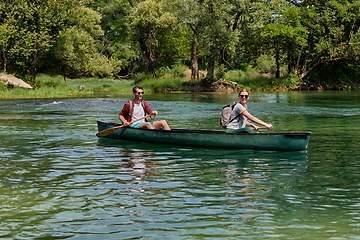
{"x": 226, "y": 113}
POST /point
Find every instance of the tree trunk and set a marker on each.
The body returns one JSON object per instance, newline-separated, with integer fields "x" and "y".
{"x": 2, "y": 61}
{"x": 210, "y": 71}
{"x": 277, "y": 60}
{"x": 149, "y": 59}
{"x": 64, "y": 72}
{"x": 194, "y": 58}
{"x": 33, "y": 69}
{"x": 293, "y": 66}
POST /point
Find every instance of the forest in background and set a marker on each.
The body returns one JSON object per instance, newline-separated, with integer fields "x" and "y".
{"x": 318, "y": 41}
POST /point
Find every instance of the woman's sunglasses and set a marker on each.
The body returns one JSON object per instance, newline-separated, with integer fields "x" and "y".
{"x": 244, "y": 96}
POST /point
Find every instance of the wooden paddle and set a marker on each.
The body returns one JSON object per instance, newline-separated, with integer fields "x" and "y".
{"x": 108, "y": 131}
{"x": 260, "y": 128}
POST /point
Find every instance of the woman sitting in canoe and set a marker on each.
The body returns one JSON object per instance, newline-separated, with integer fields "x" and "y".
{"x": 240, "y": 115}
{"x": 135, "y": 110}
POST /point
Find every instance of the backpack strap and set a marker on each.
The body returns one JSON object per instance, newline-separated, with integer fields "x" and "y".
{"x": 235, "y": 116}
{"x": 142, "y": 104}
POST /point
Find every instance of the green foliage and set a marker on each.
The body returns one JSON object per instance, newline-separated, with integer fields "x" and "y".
{"x": 176, "y": 71}
{"x": 172, "y": 46}
{"x": 265, "y": 63}
{"x": 77, "y": 50}
{"x": 160, "y": 72}
{"x": 48, "y": 83}
{"x": 241, "y": 76}
{"x": 308, "y": 36}
{"x": 257, "y": 82}
{"x": 235, "y": 74}
{"x": 163, "y": 84}
{"x": 141, "y": 77}
{"x": 31, "y": 27}
{"x": 290, "y": 81}
{"x": 319, "y": 41}
{"x": 170, "y": 80}
{"x": 148, "y": 19}
{"x": 336, "y": 76}
{"x": 260, "y": 82}
{"x": 117, "y": 32}
{"x": 221, "y": 70}
{"x": 65, "y": 29}
{"x": 3, "y": 87}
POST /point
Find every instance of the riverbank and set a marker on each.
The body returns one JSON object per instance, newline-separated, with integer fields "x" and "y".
{"x": 47, "y": 86}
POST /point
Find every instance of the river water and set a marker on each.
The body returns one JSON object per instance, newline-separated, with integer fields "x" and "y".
{"x": 59, "y": 181}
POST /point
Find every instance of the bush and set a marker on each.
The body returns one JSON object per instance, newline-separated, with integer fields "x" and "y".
{"x": 163, "y": 84}
{"x": 289, "y": 81}
{"x": 178, "y": 71}
{"x": 141, "y": 77}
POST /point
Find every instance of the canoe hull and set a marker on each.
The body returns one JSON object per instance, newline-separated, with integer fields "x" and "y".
{"x": 211, "y": 139}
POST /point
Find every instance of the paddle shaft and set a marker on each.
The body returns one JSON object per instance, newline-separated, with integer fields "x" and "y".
{"x": 260, "y": 128}
{"x": 108, "y": 131}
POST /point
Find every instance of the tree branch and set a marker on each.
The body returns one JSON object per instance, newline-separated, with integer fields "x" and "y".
{"x": 316, "y": 62}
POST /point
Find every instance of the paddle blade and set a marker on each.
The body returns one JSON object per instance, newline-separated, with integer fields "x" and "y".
{"x": 108, "y": 131}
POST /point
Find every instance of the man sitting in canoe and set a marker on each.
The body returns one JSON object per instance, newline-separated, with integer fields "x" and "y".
{"x": 136, "y": 109}
{"x": 238, "y": 118}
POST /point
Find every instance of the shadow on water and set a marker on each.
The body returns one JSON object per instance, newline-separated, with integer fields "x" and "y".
{"x": 195, "y": 151}
{"x": 207, "y": 157}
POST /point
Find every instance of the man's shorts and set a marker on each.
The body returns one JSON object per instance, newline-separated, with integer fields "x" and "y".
{"x": 137, "y": 125}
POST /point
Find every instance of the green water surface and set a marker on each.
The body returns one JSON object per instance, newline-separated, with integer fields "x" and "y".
{"x": 59, "y": 181}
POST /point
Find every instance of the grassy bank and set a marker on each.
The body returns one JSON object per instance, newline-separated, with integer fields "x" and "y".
{"x": 55, "y": 87}
{"x": 46, "y": 86}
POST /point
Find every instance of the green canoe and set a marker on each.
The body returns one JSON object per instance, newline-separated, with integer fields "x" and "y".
{"x": 291, "y": 141}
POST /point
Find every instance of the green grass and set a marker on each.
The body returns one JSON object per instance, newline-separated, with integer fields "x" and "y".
{"x": 163, "y": 84}
{"x": 46, "y": 86}
{"x": 260, "y": 83}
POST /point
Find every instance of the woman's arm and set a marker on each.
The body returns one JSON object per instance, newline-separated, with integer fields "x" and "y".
{"x": 256, "y": 120}
{"x": 252, "y": 125}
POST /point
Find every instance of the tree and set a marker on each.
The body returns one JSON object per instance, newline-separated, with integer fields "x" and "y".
{"x": 77, "y": 49}
{"x": 146, "y": 18}
{"x": 191, "y": 12}
{"x": 117, "y": 32}
{"x": 313, "y": 33}
{"x": 286, "y": 38}
{"x": 335, "y": 38}
{"x": 33, "y": 27}
{"x": 211, "y": 33}
{"x": 6, "y": 31}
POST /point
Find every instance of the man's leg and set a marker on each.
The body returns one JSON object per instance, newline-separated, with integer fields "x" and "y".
{"x": 146, "y": 125}
{"x": 161, "y": 124}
